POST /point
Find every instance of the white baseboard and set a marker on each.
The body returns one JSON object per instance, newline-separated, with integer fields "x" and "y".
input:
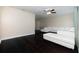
{"x": 15, "y": 36}
{"x": 0, "y": 41}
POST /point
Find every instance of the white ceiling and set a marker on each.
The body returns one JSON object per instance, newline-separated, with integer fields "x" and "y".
{"x": 38, "y": 10}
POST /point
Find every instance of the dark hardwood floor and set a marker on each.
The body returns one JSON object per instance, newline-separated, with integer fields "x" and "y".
{"x": 32, "y": 44}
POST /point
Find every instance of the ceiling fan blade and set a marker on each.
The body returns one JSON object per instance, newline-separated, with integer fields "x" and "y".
{"x": 53, "y": 12}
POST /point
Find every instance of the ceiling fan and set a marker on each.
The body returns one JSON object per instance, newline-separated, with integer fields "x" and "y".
{"x": 50, "y": 11}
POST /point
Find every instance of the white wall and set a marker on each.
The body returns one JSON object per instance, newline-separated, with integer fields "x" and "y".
{"x": 77, "y": 27}
{"x": 58, "y": 21}
{"x": 16, "y": 23}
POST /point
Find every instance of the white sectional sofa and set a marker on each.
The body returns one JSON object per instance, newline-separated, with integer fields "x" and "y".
{"x": 63, "y": 37}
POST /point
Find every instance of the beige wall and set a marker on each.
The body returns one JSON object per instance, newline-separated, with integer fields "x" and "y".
{"x": 16, "y": 23}
{"x": 0, "y": 21}
{"x": 37, "y": 24}
{"x": 58, "y": 21}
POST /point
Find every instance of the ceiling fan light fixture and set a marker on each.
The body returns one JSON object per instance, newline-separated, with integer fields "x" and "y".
{"x": 48, "y": 13}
